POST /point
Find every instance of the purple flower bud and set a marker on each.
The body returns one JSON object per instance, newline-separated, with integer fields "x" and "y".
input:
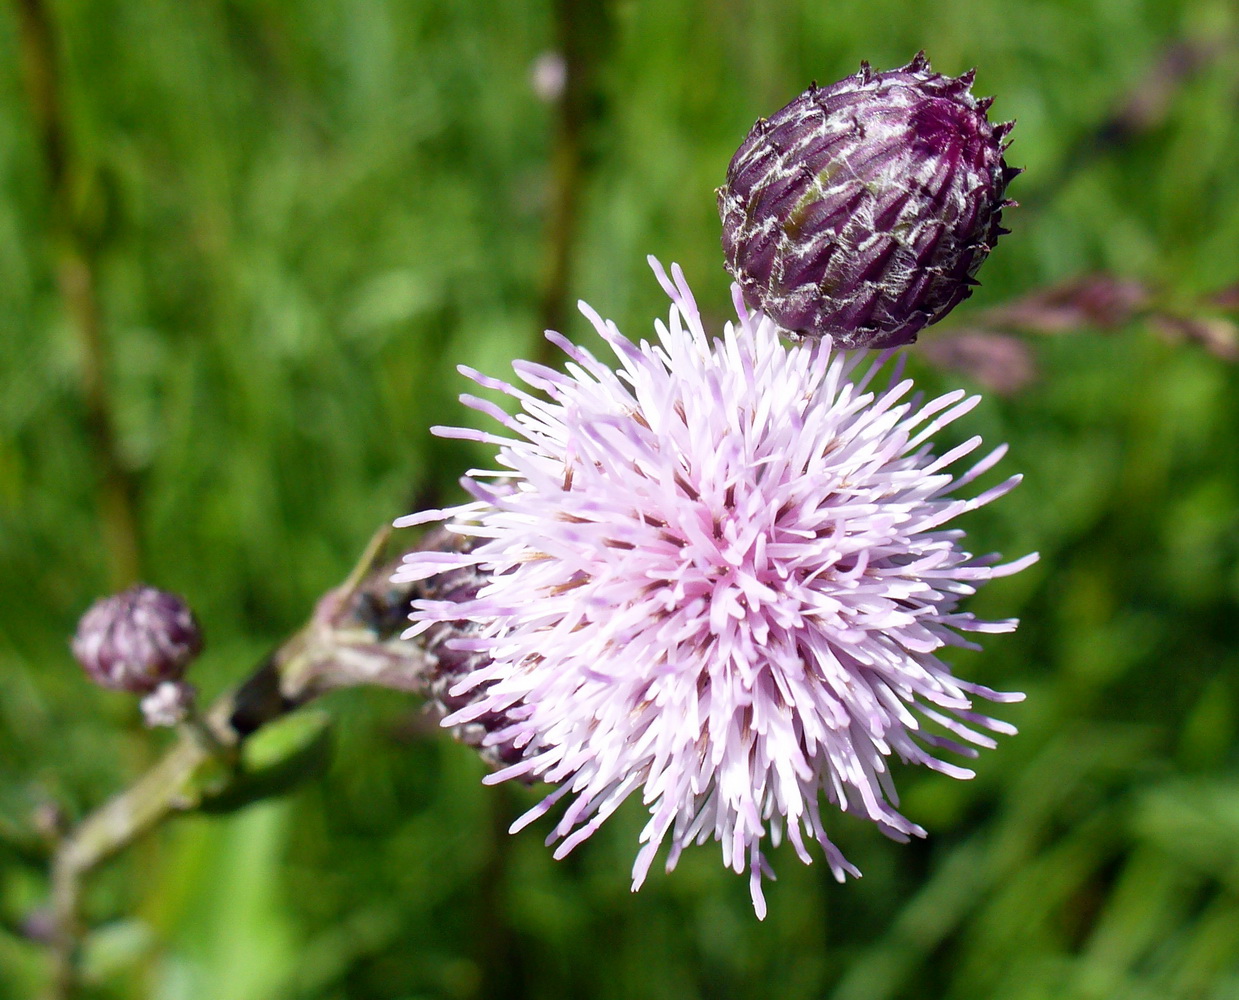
{"x": 39, "y": 926}
{"x": 862, "y": 210}
{"x": 138, "y": 639}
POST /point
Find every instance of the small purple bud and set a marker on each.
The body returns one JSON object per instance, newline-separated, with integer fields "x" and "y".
{"x": 49, "y": 819}
{"x": 39, "y": 926}
{"x": 862, "y": 210}
{"x": 452, "y": 664}
{"x": 138, "y": 639}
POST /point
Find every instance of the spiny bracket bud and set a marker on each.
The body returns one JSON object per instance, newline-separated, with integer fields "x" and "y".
{"x": 447, "y": 642}
{"x": 862, "y": 210}
{"x": 139, "y": 640}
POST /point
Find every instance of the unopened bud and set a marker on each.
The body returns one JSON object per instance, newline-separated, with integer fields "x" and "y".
{"x": 137, "y": 640}
{"x": 862, "y": 210}
{"x": 50, "y": 821}
{"x": 169, "y": 704}
{"x": 39, "y": 926}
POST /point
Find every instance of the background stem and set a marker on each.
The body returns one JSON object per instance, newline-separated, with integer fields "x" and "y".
{"x": 78, "y": 284}
{"x": 583, "y": 35}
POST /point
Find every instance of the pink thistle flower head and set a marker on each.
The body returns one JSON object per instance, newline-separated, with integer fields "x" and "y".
{"x": 717, "y": 576}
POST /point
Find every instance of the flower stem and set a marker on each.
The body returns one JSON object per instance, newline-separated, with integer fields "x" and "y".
{"x": 335, "y": 648}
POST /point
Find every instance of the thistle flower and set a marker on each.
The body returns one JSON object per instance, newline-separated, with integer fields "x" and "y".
{"x": 863, "y": 210}
{"x": 717, "y": 577}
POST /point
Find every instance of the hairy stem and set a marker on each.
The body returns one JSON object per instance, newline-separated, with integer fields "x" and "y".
{"x": 347, "y": 641}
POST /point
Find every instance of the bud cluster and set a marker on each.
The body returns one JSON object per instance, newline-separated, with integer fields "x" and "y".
{"x": 142, "y": 640}
{"x": 137, "y": 639}
{"x": 862, "y": 210}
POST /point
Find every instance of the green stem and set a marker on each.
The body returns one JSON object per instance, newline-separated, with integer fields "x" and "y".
{"x": 334, "y": 649}
{"x": 160, "y": 792}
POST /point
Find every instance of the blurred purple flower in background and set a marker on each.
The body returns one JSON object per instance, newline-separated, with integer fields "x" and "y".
{"x": 719, "y": 576}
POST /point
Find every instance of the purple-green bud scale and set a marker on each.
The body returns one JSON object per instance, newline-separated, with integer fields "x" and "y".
{"x": 137, "y": 639}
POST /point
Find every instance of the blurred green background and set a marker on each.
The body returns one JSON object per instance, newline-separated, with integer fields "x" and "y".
{"x": 243, "y": 244}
